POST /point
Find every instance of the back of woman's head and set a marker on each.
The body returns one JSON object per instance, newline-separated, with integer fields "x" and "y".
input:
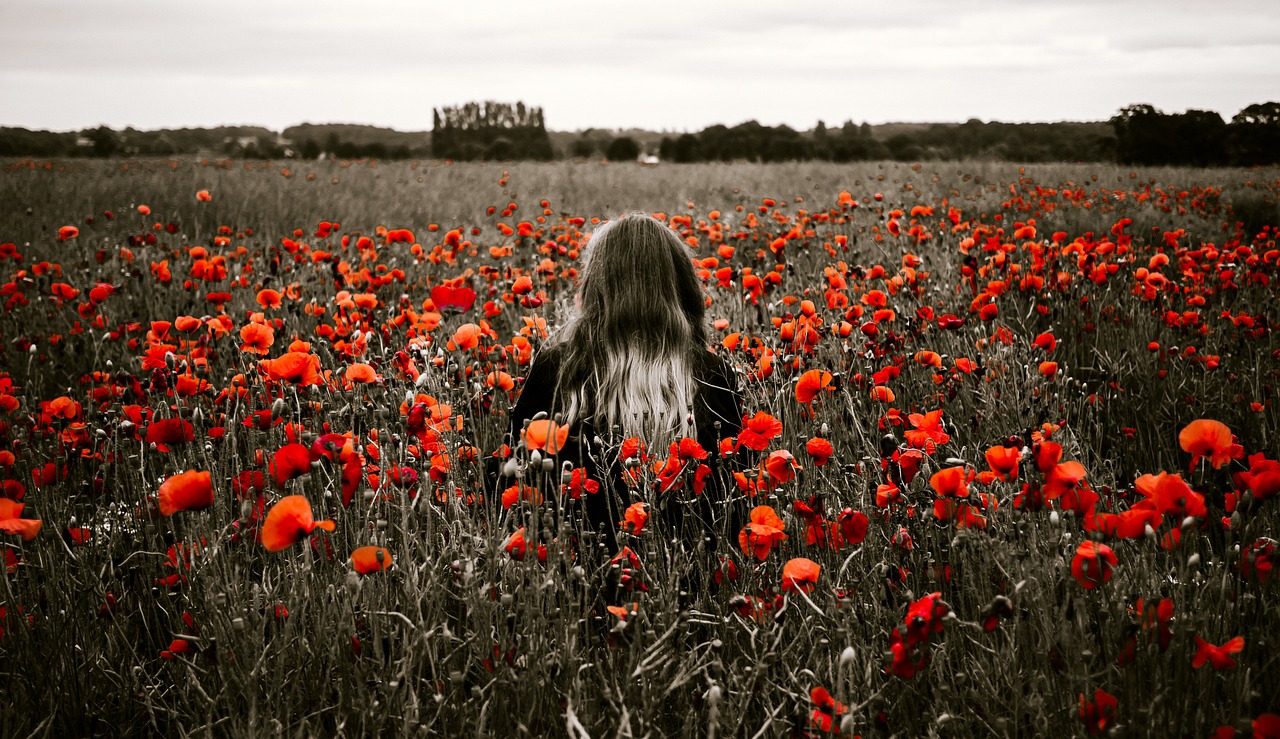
{"x": 628, "y": 353}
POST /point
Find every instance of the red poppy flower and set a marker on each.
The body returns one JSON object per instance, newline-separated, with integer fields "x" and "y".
{"x": 186, "y": 491}
{"x": 1263, "y": 477}
{"x": 168, "y": 431}
{"x": 1092, "y": 564}
{"x": 820, "y": 449}
{"x": 826, "y": 711}
{"x": 1099, "y": 713}
{"x": 853, "y": 526}
{"x": 290, "y": 461}
{"x": 461, "y": 298}
{"x": 1219, "y": 657}
{"x": 779, "y": 467}
{"x": 927, "y": 428}
{"x": 759, "y": 430}
{"x": 517, "y": 545}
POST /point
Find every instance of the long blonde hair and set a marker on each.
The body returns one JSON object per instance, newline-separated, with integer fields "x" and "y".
{"x": 630, "y": 349}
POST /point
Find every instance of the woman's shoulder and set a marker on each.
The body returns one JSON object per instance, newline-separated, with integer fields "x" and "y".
{"x": 713, "y": 369}
{"x": 546, "y": 360}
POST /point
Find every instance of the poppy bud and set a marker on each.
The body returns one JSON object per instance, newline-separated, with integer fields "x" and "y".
{"x": 535, "y": 458}
{"x": 509, "y": 468}
{"x": 1054, "y": 519}
{"x": 353, "y": 582}
{"x": 1193, "y": 561}
{"x": 277, "y": 408}
{"x": 847, "y": 657}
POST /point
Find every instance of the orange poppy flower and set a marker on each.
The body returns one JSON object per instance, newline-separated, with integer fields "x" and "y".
{"x": 1003, "y": 461}
{"x": 186, "y": 491}
{"x": 500, "y": 380}
{"x": 764, "y": 530}
{"x": 799, "y": 575}
{"x": 288, "y": 522}
{"x": 635, "y": 518}
{"x": 1205, "y": 438}
{"x": 466, "y": 338}
{"x": 370, "y": 559}
{"x": 811, "y": 383}
{"x": 952, "y": 482}
{"x": 296, "y": 367}
{"x": 361, "y": 372}
{"x": 257, "y": 338}
{"x": 546, "y": 435}
{"x": 1170, "y": 495}
{"x": 268, "y": 298}
{"x": 11, "y": 523}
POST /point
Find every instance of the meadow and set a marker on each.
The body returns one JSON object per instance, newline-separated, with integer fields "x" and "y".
{"x": 1011, "y": 439}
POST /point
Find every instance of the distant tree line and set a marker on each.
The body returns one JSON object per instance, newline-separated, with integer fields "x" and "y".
{"x": 489, "y": 130}
{"x": 1138, "y": 134}
{"x": 1145, "y": 135}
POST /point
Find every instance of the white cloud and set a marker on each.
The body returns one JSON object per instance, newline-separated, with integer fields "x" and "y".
{"x": 670, "y": 64}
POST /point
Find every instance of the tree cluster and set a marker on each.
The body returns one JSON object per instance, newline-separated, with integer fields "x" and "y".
{"x": 1145, "y": 135}
{"x": 490, "y": 130}
{"x": 1138, "y": 134}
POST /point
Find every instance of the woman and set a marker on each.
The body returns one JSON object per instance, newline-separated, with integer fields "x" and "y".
{"x": 633, "y": 361}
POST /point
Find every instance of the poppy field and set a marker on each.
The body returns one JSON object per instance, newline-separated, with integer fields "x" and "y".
{"x": 1005, "y": 468}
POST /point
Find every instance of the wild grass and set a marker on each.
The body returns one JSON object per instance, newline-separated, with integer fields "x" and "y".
{"x": 462, "y": 637}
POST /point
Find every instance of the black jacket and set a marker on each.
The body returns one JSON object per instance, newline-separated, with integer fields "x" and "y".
{"x": 717, "y": 415}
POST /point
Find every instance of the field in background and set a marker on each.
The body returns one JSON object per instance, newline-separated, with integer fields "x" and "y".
{"x": 1068, "y": 322}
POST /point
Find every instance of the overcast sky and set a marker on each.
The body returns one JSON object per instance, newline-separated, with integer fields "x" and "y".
{"x": 656, "y": 64}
